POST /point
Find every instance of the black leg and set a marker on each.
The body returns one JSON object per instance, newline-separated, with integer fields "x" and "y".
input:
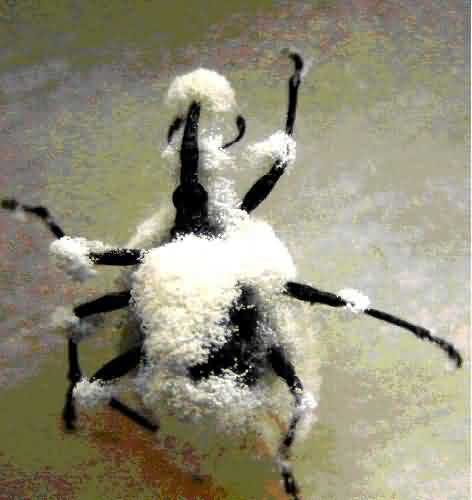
{"x": 133, "y": 415}
{"x": 117, "y": 257}
{"x": 116, "y": 368}
{"x": 109, "y": 302}
{"x": 106, "y": 303}
{"x": 262, "y": 188}
{"x": 315, "y": 296}
{"x": 241, "y": 124}
{"x": 285, "y": 370}
{"x": 38, "y": 211}
{"x": 293, "y": 85}
{"x": 74, "y": 374}
{"x": 119, "y": 366}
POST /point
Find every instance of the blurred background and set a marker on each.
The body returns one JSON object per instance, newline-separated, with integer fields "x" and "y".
{"x": 378, "y": 200}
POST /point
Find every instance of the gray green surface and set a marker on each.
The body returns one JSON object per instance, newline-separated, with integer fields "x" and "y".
{"x": 378, "y": 200}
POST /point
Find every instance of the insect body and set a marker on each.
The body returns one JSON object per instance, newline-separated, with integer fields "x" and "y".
{"x": 205, "y": 295}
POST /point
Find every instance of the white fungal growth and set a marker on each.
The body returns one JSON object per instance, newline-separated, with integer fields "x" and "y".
{"x": 75, "y": 328}
{"x": 356, "y": 301}
{"x": 213, "y": 157}
{"x": 91, "y": 394}
{"x": 236, "y": 405}
{"x": 153, "y": 231}
{"x": 182, "y": 291}
{"x": 279, "y": 146}
{"x": 19, "y": 214}
{"x": 223, "y": 203}
{"x": 71, "y": 256}
{"x": 209, "y": 88}
{"x": 306, "y": 412}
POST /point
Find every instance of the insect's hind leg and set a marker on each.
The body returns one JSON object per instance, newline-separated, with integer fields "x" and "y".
{"x": 285, "y": 370}
{"x": 116, "y": 368}
{"x": 106, "y": 303}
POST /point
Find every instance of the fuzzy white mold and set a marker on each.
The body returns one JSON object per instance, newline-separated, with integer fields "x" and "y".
{"x": 279, "y": 146}
{"x": 182, "y": 292}
{"x": 209, "y": 88}
{"x": 71, "y": 255}
{"x": 356, "y": 301}
{"x": 91, "y": 394}
{"x": 74, "y": 327}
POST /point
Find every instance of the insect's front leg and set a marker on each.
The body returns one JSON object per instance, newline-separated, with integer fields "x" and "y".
{"x": 263, "y": 187}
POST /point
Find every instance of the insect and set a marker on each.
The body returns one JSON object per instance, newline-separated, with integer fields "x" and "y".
{"x": 206, "y": 296}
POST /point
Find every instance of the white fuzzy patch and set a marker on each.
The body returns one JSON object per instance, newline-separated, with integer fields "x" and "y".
{"x": 182, "y": 292}
{"x": 209, "y": 88}
{"x": 72, "y": 256}
{"x": 279, "y": 146}
{"x": 223, "y": 203}
{"x": 213, "y": 157}
{"x": 19, "y": 214}
{"x": 153, "y": 231}
{"x": 236, "y": 404}
{"x": 306, "y": 412}
{"x": 75, "y": 328}
{"x": 356, "y": 301}
{"x": 91, "y": 394}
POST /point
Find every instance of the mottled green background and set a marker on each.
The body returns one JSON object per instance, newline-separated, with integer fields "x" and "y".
{"x": 378, "y": 200}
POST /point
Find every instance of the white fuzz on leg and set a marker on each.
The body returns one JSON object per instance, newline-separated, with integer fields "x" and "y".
{"x": 71, "y": 255}
{"x": 279, "y": 146}
{"x": 90, "y": 394}
{"x": 74, "y": 327}
{"x": 356, "y": 301}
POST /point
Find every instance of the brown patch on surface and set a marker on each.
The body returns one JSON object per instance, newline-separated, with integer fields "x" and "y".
{"x": 122, "y": 443}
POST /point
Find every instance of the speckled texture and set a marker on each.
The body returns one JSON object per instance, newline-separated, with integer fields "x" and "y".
{"x": 377, "y": 200}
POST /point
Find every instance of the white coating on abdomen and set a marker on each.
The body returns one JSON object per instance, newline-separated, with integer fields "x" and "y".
{"x": 183, "y": 290}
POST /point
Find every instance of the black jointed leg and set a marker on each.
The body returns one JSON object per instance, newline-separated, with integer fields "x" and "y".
{"x": 106, "y": 303}
{"x": 116, "y": 368}
{"x": 418, "y": 331}
{"x": 109, "y": 302}
{"x": 314, "y": 296}
{"x": 310, "y": 294}
{"x": 241, "y": 124}
{"x": 38, "y": 211}
{"x": 133, "y": 415}
{"x": 293, "y": 85}
{"x": 285, "y": 370}
{"x": 74, "y": 374}
{"x": 263, "y": 187}
{"x": 117, "y": 257}
{"x": 119, "y": 366}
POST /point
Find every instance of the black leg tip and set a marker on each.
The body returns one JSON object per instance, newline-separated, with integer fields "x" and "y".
{"x": 9, "y": 204}
{"x": 295, "y": 57}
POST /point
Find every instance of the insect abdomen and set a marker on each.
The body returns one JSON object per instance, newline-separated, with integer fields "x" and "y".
{"x": 244, "y": 352}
